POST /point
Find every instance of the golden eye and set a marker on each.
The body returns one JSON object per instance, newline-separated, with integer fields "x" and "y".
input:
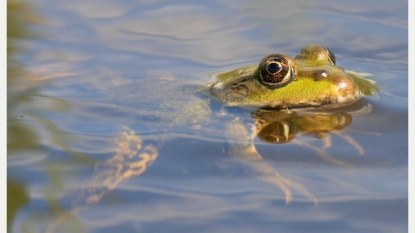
{"x": 275, "y": 71}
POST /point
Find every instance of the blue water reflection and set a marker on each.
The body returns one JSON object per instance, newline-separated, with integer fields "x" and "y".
{"x": 93, "y": 83}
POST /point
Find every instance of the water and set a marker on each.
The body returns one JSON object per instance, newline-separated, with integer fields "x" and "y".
{"x": 93, "y": 85}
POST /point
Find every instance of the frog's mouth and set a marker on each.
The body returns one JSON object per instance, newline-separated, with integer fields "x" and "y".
{"x": 231, "y": 93}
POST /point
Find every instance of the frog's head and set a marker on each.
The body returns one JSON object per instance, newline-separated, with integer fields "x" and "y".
{"x": 311, "y": 79}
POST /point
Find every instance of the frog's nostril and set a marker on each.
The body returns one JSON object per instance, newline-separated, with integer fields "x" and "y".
{"x": 238, "y": 91}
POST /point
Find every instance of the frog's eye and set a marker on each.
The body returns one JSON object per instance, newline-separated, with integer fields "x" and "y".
{"x": 332, "y": 58}
{"x": 275, "y": 71}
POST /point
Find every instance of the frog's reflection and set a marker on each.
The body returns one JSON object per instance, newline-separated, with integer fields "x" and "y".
{"x": 282, "y": 126}
{"x": 278, "y": 126}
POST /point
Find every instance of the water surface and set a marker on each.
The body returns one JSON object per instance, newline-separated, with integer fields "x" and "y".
{"x": 94, "y": 85}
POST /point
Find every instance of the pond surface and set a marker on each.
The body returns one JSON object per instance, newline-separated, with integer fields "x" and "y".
{"x": 108, "y": 130}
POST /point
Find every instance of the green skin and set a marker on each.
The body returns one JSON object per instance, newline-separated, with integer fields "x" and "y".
{"x": 316, "y": 82}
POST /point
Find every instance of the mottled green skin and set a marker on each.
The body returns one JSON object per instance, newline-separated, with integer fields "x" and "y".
{"x": 317, "y": 82}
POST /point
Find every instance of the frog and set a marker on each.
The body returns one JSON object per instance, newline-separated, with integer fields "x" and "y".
{"x": 310, "y": 80}
{"x": 290, "y": 95}
{"x": 284, "y": 96}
